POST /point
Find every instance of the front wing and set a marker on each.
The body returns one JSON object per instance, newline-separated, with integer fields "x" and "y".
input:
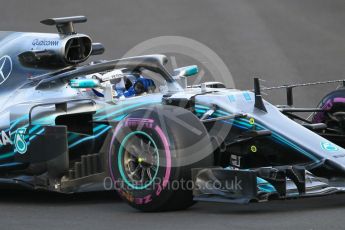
{"x": 259, "y": 185}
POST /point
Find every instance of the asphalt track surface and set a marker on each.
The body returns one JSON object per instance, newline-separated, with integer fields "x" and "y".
{"x": 283, "y": 41}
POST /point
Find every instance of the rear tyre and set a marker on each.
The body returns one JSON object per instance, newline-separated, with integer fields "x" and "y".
{"x": 151, "y": 156}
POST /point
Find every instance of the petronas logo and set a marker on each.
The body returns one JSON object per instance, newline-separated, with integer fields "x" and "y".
{"x": 328, "y": 146}
{"x": 19, "y": 141}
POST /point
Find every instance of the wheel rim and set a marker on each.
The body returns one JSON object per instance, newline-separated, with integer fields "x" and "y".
{"x": 138, "y": 160}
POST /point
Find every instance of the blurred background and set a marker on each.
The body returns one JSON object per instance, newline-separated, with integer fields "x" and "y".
{"x": 282, "y": 41}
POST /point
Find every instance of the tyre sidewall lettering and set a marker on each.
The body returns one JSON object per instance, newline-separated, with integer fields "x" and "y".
{"x": 149, "y": 126}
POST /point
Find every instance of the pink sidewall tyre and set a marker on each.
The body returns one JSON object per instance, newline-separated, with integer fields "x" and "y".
{"x": 151, "y": 156}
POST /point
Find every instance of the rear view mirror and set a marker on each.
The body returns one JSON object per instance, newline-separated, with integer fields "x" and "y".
{"x": 186, "y": 71}
{"x": 84, "y": 83}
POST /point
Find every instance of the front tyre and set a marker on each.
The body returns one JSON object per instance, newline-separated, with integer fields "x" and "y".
{"x": 333, "y": 114}
{"x": 152, "y": 153}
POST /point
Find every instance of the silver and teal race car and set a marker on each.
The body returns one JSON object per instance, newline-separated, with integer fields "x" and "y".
{"x": 133, "y": 126}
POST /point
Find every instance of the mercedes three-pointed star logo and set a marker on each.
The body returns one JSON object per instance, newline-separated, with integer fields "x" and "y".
{"x": 5, "y": 68}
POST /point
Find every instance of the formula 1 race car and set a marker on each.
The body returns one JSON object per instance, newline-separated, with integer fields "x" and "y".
{"x": 161, "y": 144}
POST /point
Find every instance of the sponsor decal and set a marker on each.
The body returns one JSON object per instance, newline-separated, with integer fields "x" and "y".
{"x": 5, "y": 139}
{"x": 147, "y": 123}
{"x": 19, "y": 141}
{"x": 246, "y": 96}
{"x": 328, "y": 146}
{"x": 38, "y": 42}
{"x": 5, "y": 68}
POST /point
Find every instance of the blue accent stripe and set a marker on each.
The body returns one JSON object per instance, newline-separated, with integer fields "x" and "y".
{"x": 90, "y": 137}
{"x": 119, "y": 118}
{"x": 72, "y": 136}
{"x": 17, "y": 121}
{"x": 98, "y": 127}
{"x": 34, "y": 136}
{"x": 6, "y": 155}
{"x": 34, "y": 129}
{"x": 123, "y": 109}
